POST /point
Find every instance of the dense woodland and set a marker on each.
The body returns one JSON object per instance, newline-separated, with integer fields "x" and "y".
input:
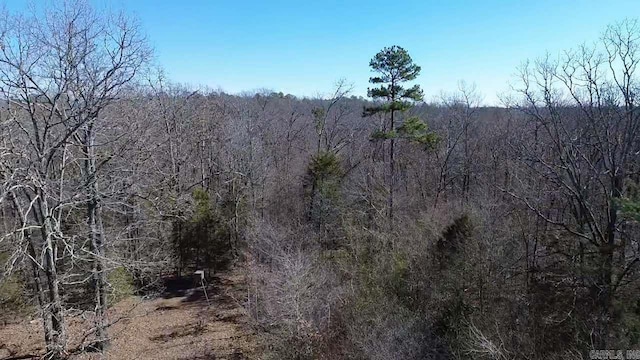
{"x": 378, "y": 228}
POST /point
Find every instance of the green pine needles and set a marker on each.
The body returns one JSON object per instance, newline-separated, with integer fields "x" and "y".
{"x": 394, "y": 67}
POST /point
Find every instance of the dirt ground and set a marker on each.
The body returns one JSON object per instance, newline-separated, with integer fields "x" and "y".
{"x": 178, "y": 325}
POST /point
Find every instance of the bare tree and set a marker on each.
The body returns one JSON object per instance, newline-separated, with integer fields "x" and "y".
{"x": 60, "y": 67}
{"x": 582, "y": 148}
{"x": 461, "y": 114}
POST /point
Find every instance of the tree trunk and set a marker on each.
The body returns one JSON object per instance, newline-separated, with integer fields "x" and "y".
{"x": 96, "y": 232}
{"x": 49, "y": 300}
{"x": 605, "y": 294}
{"x": 42, "y": 300}
{"x": 53, "y": 309}
{"x": 56, "y": 347}
{"x": 392, "y": 165}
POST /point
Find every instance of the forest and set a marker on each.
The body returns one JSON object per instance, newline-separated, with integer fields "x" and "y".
{"x": 384, "y": 227}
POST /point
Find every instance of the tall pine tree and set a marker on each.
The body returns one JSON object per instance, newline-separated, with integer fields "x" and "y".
{"x": 395, "y": 67}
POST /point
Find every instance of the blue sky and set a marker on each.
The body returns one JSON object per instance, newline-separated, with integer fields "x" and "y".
{"x": 303, "y": 47}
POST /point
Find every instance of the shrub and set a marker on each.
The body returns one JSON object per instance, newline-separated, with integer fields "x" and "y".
{"x": 13, "y": 293}
{"x": 122, "y": 285}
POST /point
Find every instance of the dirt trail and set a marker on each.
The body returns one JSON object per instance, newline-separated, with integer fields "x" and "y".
{"x": 176, "y": 326}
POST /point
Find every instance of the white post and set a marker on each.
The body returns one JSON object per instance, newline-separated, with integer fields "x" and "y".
{"x": 204, "y": 289}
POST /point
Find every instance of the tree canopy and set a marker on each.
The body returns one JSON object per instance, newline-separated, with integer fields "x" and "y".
{"x": 394, "y": 67}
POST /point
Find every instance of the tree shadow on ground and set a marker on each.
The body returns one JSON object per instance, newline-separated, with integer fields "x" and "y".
{"x": 180, "y": 331}
{"x": 189, "y": 288}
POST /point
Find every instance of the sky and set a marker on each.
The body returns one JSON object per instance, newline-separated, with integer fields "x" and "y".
{"x": 304, "y": 47}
